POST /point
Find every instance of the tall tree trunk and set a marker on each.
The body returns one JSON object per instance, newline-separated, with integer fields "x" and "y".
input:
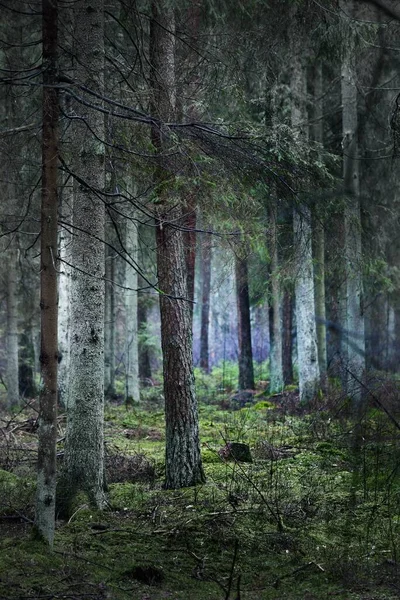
{"x": 144, "y": 352}
{"x": 190, "y": 92}
{"x": 287, "y": 337}
{"x": 64, "y": 285}
{"x": 317, "y": 134}
{"x": 275, "y": 360}
{"x": 46, "y": 468}
{"x": 307, "y": 351}
{"x": 355, "y": 353}
{"x": 183, "y": 459}
{"x": 12, "y": 325}
{"x": 190, "y": 249}
{"x": 84, "y": 444}
{"x": 131, "y": 310}
{"x": 66, "y": 17}
{"x": 205, "y": 302}
{"x": 246, "y": 370}
{"x": 109, "y": 324}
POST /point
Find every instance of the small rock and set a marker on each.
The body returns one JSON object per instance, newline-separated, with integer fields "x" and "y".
{"x": 236, "y": 451}
{"x": 241, "y": 398}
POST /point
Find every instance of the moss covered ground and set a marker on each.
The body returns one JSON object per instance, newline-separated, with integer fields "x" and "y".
{"x": 315, "y": 515}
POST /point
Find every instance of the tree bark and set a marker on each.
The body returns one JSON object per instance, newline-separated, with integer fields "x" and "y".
{"x": 275, "y": 361}
{"x": 183, "y": 459}
{"x": 317, "y": 135}
{"x": 287, "y": 337}
{"x": 246, "y": 370}
{"x": 46, "y": 468}
{"x": 355, "y": 338}
{"x": 307, "y": 351}
{"x": 109, "y": 323}
{"x": 205, "y": 302}
{"x": 64, "y": 285}
{"x": 144, "y": 352}
{"x": 12, "y": 325}
{"x": 131, "y": 310}
{"x": 84, "y": 444}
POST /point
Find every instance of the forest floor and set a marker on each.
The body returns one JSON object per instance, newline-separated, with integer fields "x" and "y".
{"x": 314, "y": 516}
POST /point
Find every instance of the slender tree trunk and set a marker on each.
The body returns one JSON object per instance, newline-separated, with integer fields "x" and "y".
{"x": 352, "y": 225}
{"x": 46, "y": 469}
{"x": 12, "y": 325}
{"x": 276, "y": 363}
{"x": 64, "y": 284}
{"x": 131, "y": 310}
{"x": 190, "y": 249}
{"x": 183, "y": 459}
{"x": 109, "y": 325}
{"x": 66, "y": 17}
{"x": 205, "y": 302}
{"x": 26, "y": 380}
{"x": 318, "y": 231}
{"x": 246, "y": 370}
{"x": 287, "y": 337}
{"x": 144, "y": 353}
{"x": 190, "y": 92}
{"x": 84, "y": 444}
{"x": 307, "y": 351}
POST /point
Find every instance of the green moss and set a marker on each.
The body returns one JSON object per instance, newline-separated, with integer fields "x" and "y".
{"x": 264, "y": 405}
{"x": 210, "y": 457}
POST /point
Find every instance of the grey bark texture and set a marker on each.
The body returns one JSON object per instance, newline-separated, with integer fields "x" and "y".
{"x": 109, "y": 317}
{"x": 307, "y": 352}
{"x": 276, "y": 365}
{"x": 64, "y": 286}
{"x": 12, "y": 323}
{"x": 316, "y": 132}
{"x": 355, "y": 346}
{"x": 47, "y": 432}
{"x": 84, "y": 445}
{"x": 131, "y": 308}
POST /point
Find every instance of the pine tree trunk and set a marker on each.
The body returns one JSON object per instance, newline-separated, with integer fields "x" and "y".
{"x": 190, "y": 93}
{"x": 183, "y": 459}
{"x": 183, "y": 464}
{"x": 355, "y": 367}
{"x": 190, "y": 249}
{"x": 205, "y": 302}
{"x": 318, "y": 231}
{"x": 66, "y": 17}
{"x": 47, "y": 433}
{"x": 246, "y": 370}
{"x": 131, "y": 310}
{"x": 12, "y": 326}
{"x": 307, "y": 351}
{"x": 144, "y": 353}
{"x": 287, "y": 337}
{"x": 84, "y": 444}
{"x": 64, "y": 284}
{"x": 109, "y": 324}
{"x": 275, "y": 360}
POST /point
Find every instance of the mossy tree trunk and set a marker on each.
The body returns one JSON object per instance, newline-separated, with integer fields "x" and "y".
{"x": 84, "y": 444}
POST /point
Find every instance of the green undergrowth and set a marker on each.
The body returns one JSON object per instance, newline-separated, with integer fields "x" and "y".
{"x": 313, "y": 516}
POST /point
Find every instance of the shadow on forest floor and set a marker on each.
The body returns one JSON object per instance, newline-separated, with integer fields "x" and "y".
{"x": 309, "y": 518}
